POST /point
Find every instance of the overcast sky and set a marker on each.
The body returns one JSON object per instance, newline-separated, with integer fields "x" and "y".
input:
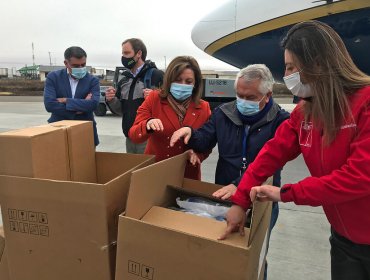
{"x": 99, "y": 27}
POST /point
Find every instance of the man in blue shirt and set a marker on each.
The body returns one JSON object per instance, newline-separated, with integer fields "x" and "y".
{"x": 72, "y": 93}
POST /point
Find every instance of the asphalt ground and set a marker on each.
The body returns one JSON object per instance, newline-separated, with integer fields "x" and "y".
{"x": 299, "y": 246}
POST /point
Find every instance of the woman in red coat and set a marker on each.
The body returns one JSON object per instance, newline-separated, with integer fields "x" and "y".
{"x": 330, "y": 127}
{"x": 176, "y": 105}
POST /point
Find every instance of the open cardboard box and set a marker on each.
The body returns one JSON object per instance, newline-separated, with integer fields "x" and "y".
{"x": 155, "y": 242}
{"x": 65, "y": 229}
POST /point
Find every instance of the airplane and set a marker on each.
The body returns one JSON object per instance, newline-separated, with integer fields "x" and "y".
{"x": 243, "y": 32}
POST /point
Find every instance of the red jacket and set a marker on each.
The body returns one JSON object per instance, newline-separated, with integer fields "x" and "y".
{"x": 340, "y": 172}
{"x": 159, "y": 142}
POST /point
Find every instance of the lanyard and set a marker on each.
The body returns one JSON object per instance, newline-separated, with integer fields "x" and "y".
{"x": 244, "y": 155}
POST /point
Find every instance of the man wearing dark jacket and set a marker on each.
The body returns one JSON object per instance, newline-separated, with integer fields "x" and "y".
{"x": 72, "y": 93}
{"x": 129, "y": 94}
{"x": 240, "y": 128}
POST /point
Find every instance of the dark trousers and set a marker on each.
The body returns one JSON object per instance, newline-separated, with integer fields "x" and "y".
{"x": 348, "y": 260}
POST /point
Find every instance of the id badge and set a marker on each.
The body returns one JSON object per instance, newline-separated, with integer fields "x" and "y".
{"x": 305, "y": 134}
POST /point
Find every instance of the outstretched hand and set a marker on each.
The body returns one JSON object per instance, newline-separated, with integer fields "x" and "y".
{"x": 225, "y": 192}
{"x": 155, "y": 125}
{"x": 184, "y": 132}
{"x": 235, "y": 218}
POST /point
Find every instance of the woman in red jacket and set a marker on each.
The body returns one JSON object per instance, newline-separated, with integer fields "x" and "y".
{"x": 176, "y": 105}
{"x": 330, "y": 127}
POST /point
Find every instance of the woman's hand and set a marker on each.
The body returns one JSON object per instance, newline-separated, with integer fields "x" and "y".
{"x": 265, "y": 193}
{"x": 154, "y": 124}
{"x": 235, "y": 218}
{"x": 225, "y": 192}
{"x": 193, "y": 157}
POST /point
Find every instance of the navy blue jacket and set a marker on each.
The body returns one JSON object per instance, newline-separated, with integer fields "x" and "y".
{"x": 226, "y": 129}
{"x": 57, "y": 85}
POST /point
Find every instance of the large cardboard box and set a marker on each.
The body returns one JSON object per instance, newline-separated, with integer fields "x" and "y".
{"x": 35, "y": 152}
{"x": 81, "y": 149}
{"x": 61, "y": 151}
{"x": 65, "y": 229}
{"x": 155, "y": 242}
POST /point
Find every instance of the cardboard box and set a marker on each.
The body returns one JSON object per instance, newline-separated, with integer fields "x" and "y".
{"x": 4, "y": 272}
{"x": 35, "y": 152}
{"x": 62, "y": 150}
{"x": 65, "y": 229}
{"x": 155, "y": 242}
{"x": 81, "y": 149}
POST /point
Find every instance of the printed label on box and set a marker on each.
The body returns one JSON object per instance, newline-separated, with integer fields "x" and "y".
{"x": 28, "y": 222}
{"x": 142, "y": 270}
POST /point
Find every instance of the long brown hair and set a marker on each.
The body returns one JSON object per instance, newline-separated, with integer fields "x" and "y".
{"x": 329, "y": 70}
{"x": 175, "y": 68}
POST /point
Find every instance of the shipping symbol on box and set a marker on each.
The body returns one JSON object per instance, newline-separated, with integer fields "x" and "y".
{"x": 142, "y": 270}
{"x": 28, "y": 222}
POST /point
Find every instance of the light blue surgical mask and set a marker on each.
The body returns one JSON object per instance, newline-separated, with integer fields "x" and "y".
{"x": 247, "y": 107}
{"x": 78, "y": 73}
{"x": 181, "y": 91}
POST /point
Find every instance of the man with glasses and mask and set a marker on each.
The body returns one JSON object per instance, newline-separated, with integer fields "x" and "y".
{"x": 133, "y": 87}
{"x": 240, "y": 128}
{"x": 72, "y": 93}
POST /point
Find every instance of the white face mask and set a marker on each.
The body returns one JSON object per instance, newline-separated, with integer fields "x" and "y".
{"x": 294, "y": 84}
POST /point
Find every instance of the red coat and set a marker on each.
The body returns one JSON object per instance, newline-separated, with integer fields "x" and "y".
{"x": 159, "y": 142}
{"x": 340, "y": 172}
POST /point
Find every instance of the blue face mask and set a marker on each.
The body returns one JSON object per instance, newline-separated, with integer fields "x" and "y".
{"x": 246, "y": 107}
{"x": 181, "y": 91}
{"x": 78, "y": 73}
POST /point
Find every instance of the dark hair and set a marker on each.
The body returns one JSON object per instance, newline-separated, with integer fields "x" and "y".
{"x": 137, "y": 45}
{"x": 76, "y": 52}
{"x": 328, "y": 68}
{"x": 175, "y": 68}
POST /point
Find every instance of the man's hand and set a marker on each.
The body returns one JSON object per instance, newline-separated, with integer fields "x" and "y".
{"x": 193, "y": 157}
{"x": 62, "y": 100}
{"x": 184, "y": 132}
{"x": 155, "y": 125}
{"x": 235, "y": 218}
{"x": 225, "y": 192}
{"x": 146, "y": 92}
{"x": 265, "y": 193}
{"x": 110, "y": 94}
{"x": 89, "y": 96}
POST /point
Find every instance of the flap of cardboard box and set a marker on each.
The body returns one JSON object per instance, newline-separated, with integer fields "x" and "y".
{"x": 149, "y": 185}
{"x": 191, "y": 224}
{"x": 30, "y": 132}
{"x": 259, "y": 209}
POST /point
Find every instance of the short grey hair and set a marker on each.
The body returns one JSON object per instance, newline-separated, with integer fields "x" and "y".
{"x": 257, "y": 72}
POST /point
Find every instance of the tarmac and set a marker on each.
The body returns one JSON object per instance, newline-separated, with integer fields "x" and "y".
{"x": 299, "y": 244}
